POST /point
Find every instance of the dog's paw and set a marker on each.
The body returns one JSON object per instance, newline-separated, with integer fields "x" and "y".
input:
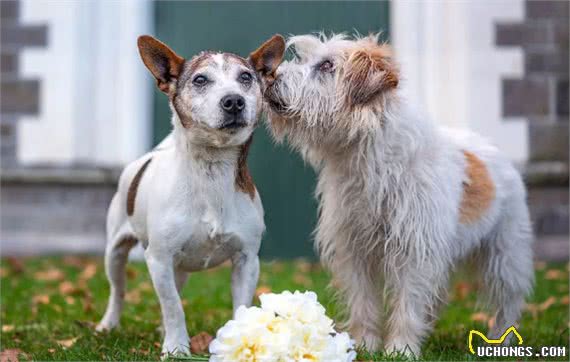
{"x": 105, "y": 326}
{"x": 370, "y": 342}
{"x": 174, "y": 348}
{"x": 199, "y": 343}
{"x": 400, "y": 348}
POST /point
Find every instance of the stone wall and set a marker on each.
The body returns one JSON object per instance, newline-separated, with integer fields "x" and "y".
{"x": 541, "y": 96}
{"x": 19, "y": 96}
{"x": 62, "y": 209}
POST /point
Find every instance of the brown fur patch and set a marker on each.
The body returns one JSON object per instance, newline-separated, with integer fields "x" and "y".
{"x": 188, "y": 71}
{"x": 197, "y": 61}
{"x": 178, "y": 107}
{"x": 369, "y": 71}
{"x": 478, "y": 191}
{"x": 132, "y": 193}
{"x": 230, "y": 57}
{"x": 162, "y": 61}
{"x": 244, "y": 181}
{"x": 268, "y": 56}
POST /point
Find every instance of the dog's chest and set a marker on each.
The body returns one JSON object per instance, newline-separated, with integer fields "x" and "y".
{"x": 353, "y": 209}
{"x": 216, "y": 229}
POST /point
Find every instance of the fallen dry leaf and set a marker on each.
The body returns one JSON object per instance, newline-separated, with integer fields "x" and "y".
{"x": 3, "y": 272}
{"x": 303, "y": 266}
{"x": 16, "y": 265}
{"x": 565, "y": 300}
{"x": 303, "y": 280}
{"x": 85, "y": 324}
{"x": 50, "y": 275}
{"x": 462, "y": 290}
{"x": 547, "y": 304}
{"x": 7, "y": 328}
{"x": 200, "y": 342}
{"x": 67, "y": 288}
{"x": 134, "y": 296}
{"x": 335, "y": 283}
{"x": 144, "y": 352}
{"x": 70, "y": 300}
{"x": 277, "y": 267}
{"x": 533, "y": 309}
{"x": 10, "y": 355}
{"x": 40, "y": 299}
{"x": 480, "y": 317}
{"x": 262, "y": 289}
{"x": 74, "y": 261}
{"x": 554, "y": 274}
{"x": 51, "y": 350}
{"x": 131, "y": 273}
{"x": 88, "y": 272}
{"x": 67, "y": 343}
{"x": 145, "y": 286}
{"x": 88, "y": 305}
{"x": 491, "y": 323}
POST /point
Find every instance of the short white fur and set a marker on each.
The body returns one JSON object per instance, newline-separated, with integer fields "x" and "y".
{"x": 188, "y": 214}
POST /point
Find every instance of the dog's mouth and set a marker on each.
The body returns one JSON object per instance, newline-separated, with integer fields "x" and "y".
{"x": 233, "y": 124}
{"x": 275, "y": 102}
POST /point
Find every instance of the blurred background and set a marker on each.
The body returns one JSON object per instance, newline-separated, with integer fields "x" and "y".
{"x": 77, "y": 103}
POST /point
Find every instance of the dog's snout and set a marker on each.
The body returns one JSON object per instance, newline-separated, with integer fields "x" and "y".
{"x": 233, "y": 103}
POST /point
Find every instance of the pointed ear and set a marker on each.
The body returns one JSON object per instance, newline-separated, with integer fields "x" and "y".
{"x": 368, "y": 72}
{"x": 268, "y": 56}
{"x": 164, "y": 64}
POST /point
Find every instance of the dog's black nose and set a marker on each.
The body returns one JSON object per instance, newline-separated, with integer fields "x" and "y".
{"x": 233, "y": 103}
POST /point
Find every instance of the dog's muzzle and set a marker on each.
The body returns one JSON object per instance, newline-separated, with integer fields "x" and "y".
{"x": 233, "y": 122}
{"x": 275, "y": 102}
{"x": 233, "y": 106}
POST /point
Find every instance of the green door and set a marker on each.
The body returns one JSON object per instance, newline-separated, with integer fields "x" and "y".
{"x": 285, "y": 183}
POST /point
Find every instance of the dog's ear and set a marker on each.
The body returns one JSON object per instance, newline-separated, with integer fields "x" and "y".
{"x": 368, "y": 72}
{"x": 164, "y": 64}
{"x": 268, "y": 56}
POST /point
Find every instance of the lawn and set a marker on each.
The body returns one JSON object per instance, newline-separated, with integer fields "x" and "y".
{"x": 49, "y": 306}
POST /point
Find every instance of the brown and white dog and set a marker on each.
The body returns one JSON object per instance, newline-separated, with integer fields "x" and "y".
{"x": 402, "y": 201}
{"x": 191, "y": 201}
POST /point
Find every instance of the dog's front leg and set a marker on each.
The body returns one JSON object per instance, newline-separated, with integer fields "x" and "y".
{"x": 360, "y": 290}
{"x": 176, "y": 340}
{"x": 415, "y": 295}
{"x": 245, "y": 274}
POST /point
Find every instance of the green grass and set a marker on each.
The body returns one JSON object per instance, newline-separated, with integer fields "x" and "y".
{"x": 71, "y": 298}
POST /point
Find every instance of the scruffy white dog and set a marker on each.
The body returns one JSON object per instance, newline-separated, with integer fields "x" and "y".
{"x": 402, "y": 201}
{"x": 191, "y": 201}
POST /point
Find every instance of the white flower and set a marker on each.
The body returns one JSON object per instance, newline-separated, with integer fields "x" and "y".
{"x": 287, "y": 327}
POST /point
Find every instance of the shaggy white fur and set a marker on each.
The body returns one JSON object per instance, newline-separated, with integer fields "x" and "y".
{"x": 402, "y": 201}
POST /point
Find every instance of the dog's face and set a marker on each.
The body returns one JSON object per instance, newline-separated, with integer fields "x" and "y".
{"x": 329, "y": 93}
{"x": 217, "y": 96}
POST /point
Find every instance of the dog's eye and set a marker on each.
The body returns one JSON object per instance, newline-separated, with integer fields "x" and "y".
{"x": 326, "y": 66}
{"x": 199, "y": 80}
{"x": 245, "y": 77}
